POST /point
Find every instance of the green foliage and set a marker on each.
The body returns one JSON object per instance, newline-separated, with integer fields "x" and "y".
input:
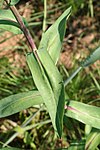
{"x": 84, "y": 113}
{"x": 52, "y": 101}
{"x": 50, "y": 88}
{"x": 92, "y": 58}
{"x": 93, "y": 140}
{"x": 15, "y": 103}
{"x": 52, "y": 39}
{"x": 8, "y": 22}
{"x": 14, "y": 2}
{"x": 10, "y": 148}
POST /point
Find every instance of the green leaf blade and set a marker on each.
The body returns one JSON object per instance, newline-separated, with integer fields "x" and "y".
{"x": 84, "y": 113}
{"x": 8, "y": 22}
{"x": 43, "y": 86}
{"x": 14, "y": 2}
{"x": 52, "y": 39}
{"x": 15, "y": 103}
{"x": 46, "y": 91}
{"x": 92, "y": 58}
{"x": 57, "y": 86}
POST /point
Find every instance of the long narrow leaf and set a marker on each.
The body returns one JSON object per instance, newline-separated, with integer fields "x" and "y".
{"x": 48, "y": 52}
{"x": 52, "y": 39}
{"x": 56, "y": 83}
{"x": 84, "y": 113}
{"x": 92, "y": 58}
{"x": 43, "y": 86}
{"x": 47, "y": 93}
{"x": 15, "y": 103}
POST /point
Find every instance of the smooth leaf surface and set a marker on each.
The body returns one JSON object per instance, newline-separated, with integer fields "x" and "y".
{"x": 15, "y": 103}
{"x": 52, "y": 39}
{"x": 8, "y": 22}
{"x": 6, "y": 13}
{"x": 57, "y": 86}
{"x": 48, "y": 52}
{"x": 42, "y": 79}
{"x": 92, "y": 58}
{"x": 84, "y": 113}
{"x": 14, "y": 2}
{"x": 93, "y": 140}
{"x": 10, "y": 25}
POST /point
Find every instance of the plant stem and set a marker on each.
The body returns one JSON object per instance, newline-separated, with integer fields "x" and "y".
{"x": 45, "y": 15}
{"x": 24, "y": 29}
{"x": 37, "y": 124}
{"x": 72, "y": 76}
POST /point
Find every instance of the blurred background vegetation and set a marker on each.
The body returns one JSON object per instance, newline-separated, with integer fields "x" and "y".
{"x": 82, "y": 37}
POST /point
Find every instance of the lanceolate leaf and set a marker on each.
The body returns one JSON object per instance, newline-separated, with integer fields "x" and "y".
{"x": 56, "y": 83}
{"x": 84, "y": 113}
{"x": 15, "y": 103}
{"x": 52, "y": 39}
{"x": 92, "y": 58}
{"x": 48, "y": 90}
{"x": 48, "y": 52}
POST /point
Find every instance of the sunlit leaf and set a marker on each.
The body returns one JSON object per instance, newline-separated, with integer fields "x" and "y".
{"x": 15, "y": 103}
{"x": 52, "y": 39}
{"x": 9, "y": 25}
{"x": 48, "y": 52}
{"x": 84, "y": 113}
{"x": 52, "y": 93}
{"x": 8, "y": 22}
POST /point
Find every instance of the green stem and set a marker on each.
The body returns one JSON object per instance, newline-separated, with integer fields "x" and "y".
{"x": 37, "y": 124}
{"x": 72, "y": 76}
{"x": 23, "y": 126}
{"x": 45, "y": 15}
{"x": 91, "y": 7}
{"x": 24, "y": 29}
